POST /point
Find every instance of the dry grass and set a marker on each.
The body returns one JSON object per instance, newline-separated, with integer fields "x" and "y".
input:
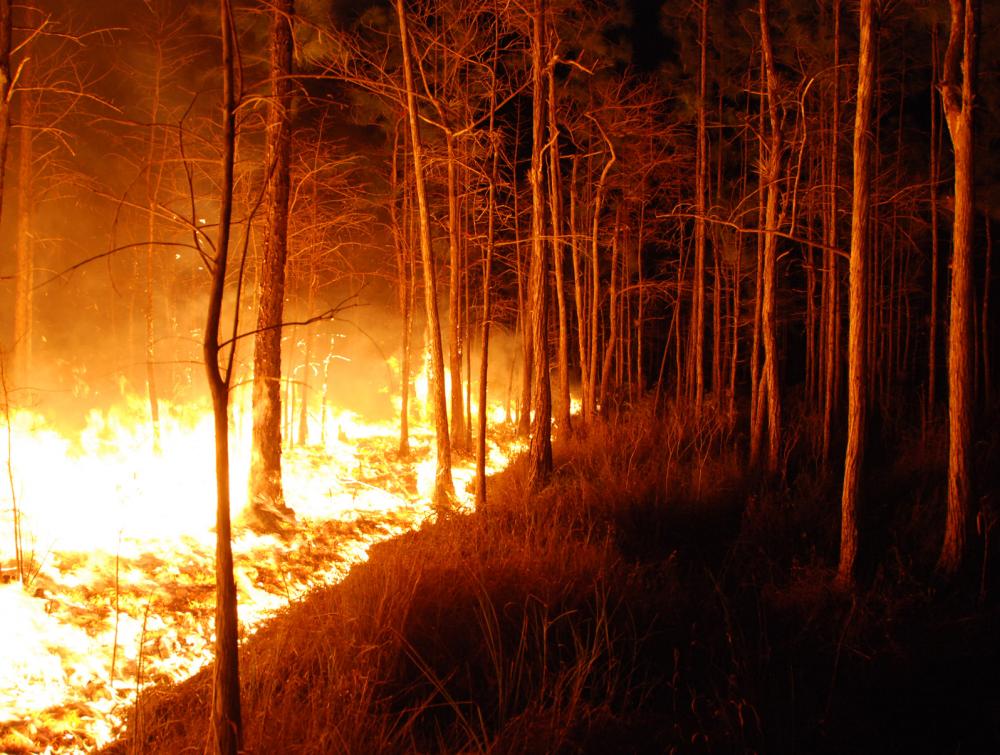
{"x": 648, "y": 600}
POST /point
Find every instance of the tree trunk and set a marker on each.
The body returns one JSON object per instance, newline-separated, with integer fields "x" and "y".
{"x": 698, "y": 288}
{"x": 957, "y": 98}
{"x": 769, "y": 276}
{"x": 266, "y": 500}
{"x": 404, "y": 292}
{"x": 856, "y": 335}
{"x": 444, "y": 489}
{"x": 830, "y": 277}
{"x": 487, "y": 273}
{"x": 593, "y": 328}
{"x": 24, "y": 284}
{"x": 609, "y": 347}
{"x": 540, "y": 447}
{"x": 454, "y": 300}
{"x": 226, "y": 718}
{"x": 562, "y": 405}
{"x": 6, "y": 82}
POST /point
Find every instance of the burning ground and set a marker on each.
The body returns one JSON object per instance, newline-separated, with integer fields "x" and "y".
{"x": 117, "y": 552}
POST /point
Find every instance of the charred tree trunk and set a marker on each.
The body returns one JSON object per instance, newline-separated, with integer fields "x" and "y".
{"x": 267, "y": 502}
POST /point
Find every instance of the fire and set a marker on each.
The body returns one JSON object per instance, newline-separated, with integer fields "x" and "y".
{"x": 118, "y": 552}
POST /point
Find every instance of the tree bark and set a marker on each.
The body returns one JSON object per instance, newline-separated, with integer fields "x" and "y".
{"x": 768, "y": 304}
{"x": 454, "y": 306}
{"x": 830, "y": 276}
{"x": 540, "y": 446}
{"x": 958, "y": 98}
{"x": 24, "y": 284}
{"x": 698, "y": 288}
{"x": 444, "y": 489}
{"x": 6, "y": 82}
{"x": 562, "y": 405}
{"x": 226, "y": 717}
{"x": 266, "y": 500}
{"x": 857, "y": 372}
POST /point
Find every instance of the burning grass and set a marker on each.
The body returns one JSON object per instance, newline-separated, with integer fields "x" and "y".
{"x": 650, "y": 599}
{"x": 118, "y": 557}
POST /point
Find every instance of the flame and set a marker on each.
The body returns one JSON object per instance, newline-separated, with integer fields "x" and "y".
{"x": 118, "y": 551}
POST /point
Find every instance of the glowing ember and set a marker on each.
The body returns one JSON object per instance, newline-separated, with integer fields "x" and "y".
{"x": 118, "y": 553}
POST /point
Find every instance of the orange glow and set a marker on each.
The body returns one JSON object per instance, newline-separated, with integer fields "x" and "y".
{"x": 119, "y": 552}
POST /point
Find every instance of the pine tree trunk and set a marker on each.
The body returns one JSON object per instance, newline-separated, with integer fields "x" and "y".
{"x": 154, "y": 176}
{"x": 609, "y": 347}
{"x": 957, "y": 98}
{"x": 226, "y": 717}
{"x": 857, "y": 373}
{"x": 266, "y": 497}
{"x": 454, "y": 299}
{"x": 6, "y": 81}
{"x": 562, "y": 405}
{"x": 831, "y": 287}
{"x": 487, "y": 281}
{"x": 404, "y": 293}
{"x": 444, "y": 489}
{"x": 24, "y": 284}
{"x": 769, "y": 275}
{"x": 540, "y": 447}
{"x": 698, "y": 289}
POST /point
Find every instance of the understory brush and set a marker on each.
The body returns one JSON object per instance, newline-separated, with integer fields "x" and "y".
{"x": 651, "y": 598}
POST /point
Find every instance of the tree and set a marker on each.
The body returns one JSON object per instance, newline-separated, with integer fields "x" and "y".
{"x": 267, "y": 506}
{"x": 857, "y": 374}
{"x": 957, "y": 97}
{"x": 771, "y": 176}
{"x": 444, "y": 490}
{"x": 540, "y": 448}
{"x": 226, "y": 717}
{"x": 6, "y": 82}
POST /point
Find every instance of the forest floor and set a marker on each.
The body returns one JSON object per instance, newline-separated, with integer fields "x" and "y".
{"x": 653, "y": 598}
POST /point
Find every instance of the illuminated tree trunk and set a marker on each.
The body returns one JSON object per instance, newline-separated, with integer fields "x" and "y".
{"x": 540, "y": 447}
{"x": 769, "y": 377}
{"x": 595, "y": 280}
{"x": 267, "y": 501}
{"x": 578, "y": 297}
{"x": 454, "y": 292}
{"x": 24, "y": 284}
{"x": 153, "y": 177}
{"x": 957, "y": 98}
{"x": 756, "y": 387}
{"x": 857, "y": 372}
{"x": 830, "y": 276}
{"x": 698, "y": 289}
{"x": 487, "y": 282}
{"x": 6, "y": 82}
{"x": 444, "y": 490}
{"x": 527, "y": 348}
{"x": 562, "y": 405}
{"x": 226, "y": 719}
{"x": 609, "y": 347}
{"x": 404, "y": 290}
